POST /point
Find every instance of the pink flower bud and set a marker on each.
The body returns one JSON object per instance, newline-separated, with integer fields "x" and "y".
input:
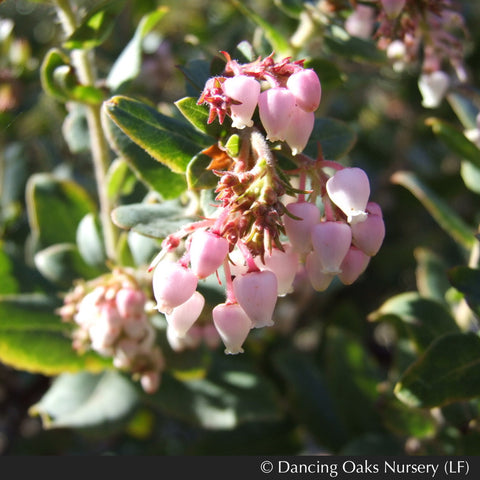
{"x": 245, "y": 90}
{"x": 190, "y": 340}
{"x": 393, "y": 7}
{"x": 130, "y": 302}
{"x": 299, "y": 129}
{"x": 368, "y": 235}
{"x": 185, "y": 315}
{"x": 207, "y": 252}
{"x": 318, "y": 278}
{"x": 349, "y": 189}
{"x": 233, "y": 326}
{"x": 306, "y": 88}
{"x": 331, "y": 241}
{"x": 284, "y": 265}
{"x": 173, "y": 284}
{"x": 299, "y": 231}
{"x": 150, "y": 381}
{"x": 353, "y": 265}
{"x": 276, "y": 107}
{"x": 256, "y": 293}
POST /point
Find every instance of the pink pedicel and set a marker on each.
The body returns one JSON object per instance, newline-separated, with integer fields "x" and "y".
{"x": 353, "y": 265}
{"x": 331, "y": 241}
{"x": 299, "y": 129}
{"x": 318, "y": 278}
{"x": 276, "y": 107}
{"x": 207, "y": 252}
{"x": 186, "y": 314}
{"x": 256, "y": 293}
{"x": 299, "y": 231}
{"x": 233, "y": 326}
{"x": 349, "y": 190}
{"x": 306, "y": 88}
{"x": 244, "y": 90}
{"x": 284, "y": 265}
{"x": 368, "y": 236}
{"x": 173, "y": 284}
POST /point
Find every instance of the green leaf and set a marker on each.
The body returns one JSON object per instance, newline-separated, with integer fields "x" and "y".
{"x": 153, "y": 220}
{"x": 59, "y": 80}
{"x": 424, "y": 319}
{"x": 467, "y": 281}
{"x": 197, "y": 115}
{"x": 8, "y": 284}
{"x": 464, "y": 108}
{"x": 198, "y": 177}
{"x": 90, "y": 241}
{"x": 55, "y": 208}
{"x": 75, "y": 128}
{"x": 34, "y": 338}
{"x": 339, "y": 42}
{"x": 292, "y": 8}
{"x": 128, "y": 64}
{"x": 438, "y": 208}
{"x": 153, "y": 174}
{"x": 62, "y": 264}
{"x": 167, "y": 140}
{"x": 431, "y": 275}
{"x": 449, "y": 371}
{"x": 232, "y": 393}
{"x": 310, "y": 398}
{"x": 470, "y": 176}
{"x": 336, "y": 139}
{"x": 84, "y": 400}
{"x": 277, "y": 39}
{"x": 455, "y": 140}
{"x": 96, "y": 27}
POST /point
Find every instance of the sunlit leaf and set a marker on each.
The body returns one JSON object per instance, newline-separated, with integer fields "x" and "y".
{"x": 33, "y": 338}
{"x": 449, "y": 371}
{"x": 86, "y": 400}
{"x": 96, "y": 27}
{"x": 467, "y": 281}
{"x": 128, "y": 64}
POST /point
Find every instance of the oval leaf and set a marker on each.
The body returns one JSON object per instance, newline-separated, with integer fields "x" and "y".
{"x": 85, "y": 400}
{"x": 424, "y": 319}
{"x": 467, "y": 281}
{"x": 449, "y": 371}
{"x": 167, "y": 140}
{"x": 34, "y": 338}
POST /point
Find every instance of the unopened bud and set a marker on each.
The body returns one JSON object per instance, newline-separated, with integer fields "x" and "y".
{"x": 299, "y": 231}
{"x": 276, "y": 107}
{"x": 207, "y": 252}
{"x": 368, "y": 235}
{"x": 306, "y": 88}
{"x": 353, "y": 265}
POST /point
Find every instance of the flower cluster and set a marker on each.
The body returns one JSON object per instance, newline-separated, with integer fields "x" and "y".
{"x": 265, "y": 231}
{"x": 110, "y": 317}
{"x": 413, "y": 31}
{"x": 286, "y": 94}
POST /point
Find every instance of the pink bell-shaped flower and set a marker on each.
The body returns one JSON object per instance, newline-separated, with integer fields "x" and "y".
{"x": 368, "y": 235}
{"x": 299, "y": 231}
{"x": 393, "y": 7}
{"x": 299, "y": 129}
{"x": 173, "y": 284}
{"x": 331, "y": 241}
{"x": 284, "y": 265}
{"x": 353, "y": 265}
{"x": 207, "y": 252}
{"x": 233, "y": 326}
{"x": 305, "y": 86}
{"x": 276, "y": 107}
{"x": 318, "y": 278}
{"x": 245, "y": 90}
{"x": 186, "y": 314}
{"x": 349, "y": 189}
{"x": 130, "y": 302}
{"x": 256, "y": 293}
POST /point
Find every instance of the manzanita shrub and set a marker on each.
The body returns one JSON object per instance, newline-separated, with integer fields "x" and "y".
{"x": 204, "y": 247}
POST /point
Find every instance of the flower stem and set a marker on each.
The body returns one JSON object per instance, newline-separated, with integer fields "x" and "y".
{"x": 83, "y": 63}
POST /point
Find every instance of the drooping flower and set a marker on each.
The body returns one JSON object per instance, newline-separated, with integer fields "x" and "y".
{"x": 233, "y": 326}
{"x": 244, "y": 91}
